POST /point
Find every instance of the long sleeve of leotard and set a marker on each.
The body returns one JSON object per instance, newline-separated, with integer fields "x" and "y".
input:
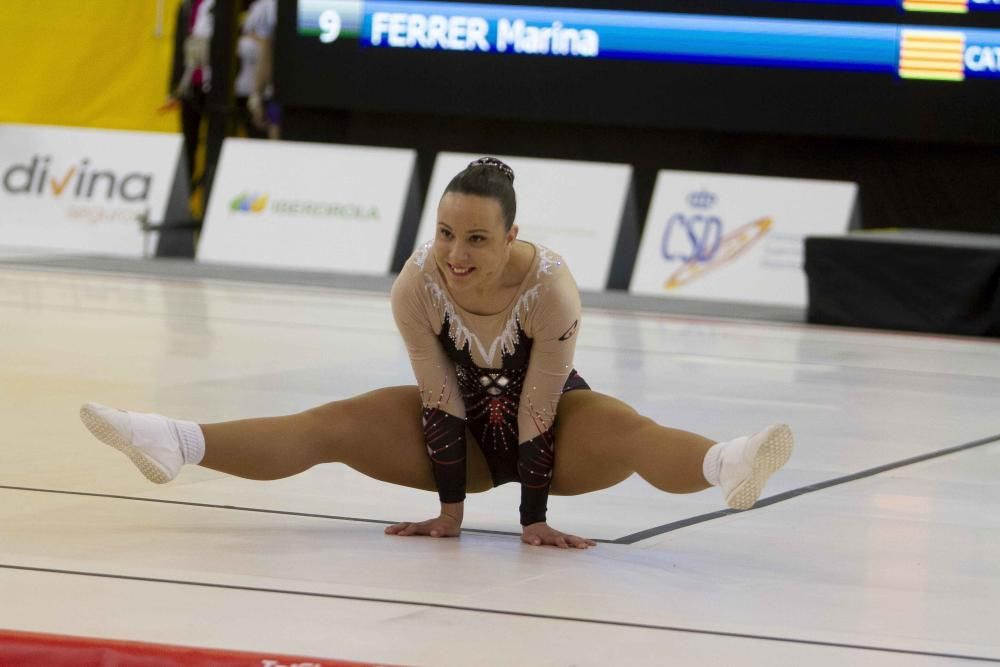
{"x": 553, "y": 325}
{"x": 443, "y": 410}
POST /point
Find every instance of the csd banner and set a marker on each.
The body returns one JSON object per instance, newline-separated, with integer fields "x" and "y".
{"x": 735, "y": 238}
{"x": 78, "y": 189}
{"x": 307, "y": 205}
{"x": 573, "y": 208}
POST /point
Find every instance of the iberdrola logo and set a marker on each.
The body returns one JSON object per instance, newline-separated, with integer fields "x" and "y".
{"x": 249, "y": 203}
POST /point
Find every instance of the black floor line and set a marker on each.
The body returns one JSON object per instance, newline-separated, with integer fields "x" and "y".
{"x": 503, "y": 612}
{"x": 248, "y": 509}
{"x": 628, "y": 539}
{"x": 794, "y": 493}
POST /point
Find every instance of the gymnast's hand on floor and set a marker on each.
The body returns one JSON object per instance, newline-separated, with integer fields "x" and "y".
{"x": 539, "y": 534}
{"x": 448, "y": 524}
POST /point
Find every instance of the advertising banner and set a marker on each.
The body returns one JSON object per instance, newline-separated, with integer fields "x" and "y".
{"x": 572, "y": 208}
{"x": 78, "y": 189}
{"x": 735, "y": 238}
{"x": 307, "y": 206}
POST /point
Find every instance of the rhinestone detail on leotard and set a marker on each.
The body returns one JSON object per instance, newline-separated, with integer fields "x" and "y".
{"x": 491, "y": 399}
{"x": 462, "y": 336}
{"x": 546, "y": 261}
{"x": 420, "y": 256}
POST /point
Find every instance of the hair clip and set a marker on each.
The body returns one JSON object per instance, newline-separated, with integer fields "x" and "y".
{"x": 494, "y": 162}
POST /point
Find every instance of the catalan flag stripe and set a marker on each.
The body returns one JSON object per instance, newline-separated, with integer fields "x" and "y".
{"x": 954, "y": 6}
{"x": 934, "y": 7}
{"x": 939, "y": 45}
{"x": 955, "y": 59}
{"x": 932, "y": 37}
{"x": 935, "y": 51}
{"x": 923, "y": 64}
{"x": 926, "y": 74}
{"x": 910, "y": 63}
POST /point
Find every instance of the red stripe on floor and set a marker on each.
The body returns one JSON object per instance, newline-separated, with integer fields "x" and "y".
{"x": 24, "y": 649}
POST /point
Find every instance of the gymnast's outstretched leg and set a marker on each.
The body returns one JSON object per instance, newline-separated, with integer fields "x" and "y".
{"x": 600, "y": 441}
{"x": 378, "y": 433}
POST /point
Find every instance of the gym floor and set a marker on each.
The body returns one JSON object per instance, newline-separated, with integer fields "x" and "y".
{"x": 876, "y": 545}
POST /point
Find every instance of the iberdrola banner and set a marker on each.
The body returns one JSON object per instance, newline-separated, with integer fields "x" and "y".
{"x": 286, "y": 204}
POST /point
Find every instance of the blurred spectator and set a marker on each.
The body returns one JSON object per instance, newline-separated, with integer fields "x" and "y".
{"x": 248, "y": 51}
{"x": 262, "y": 19}
{"x": 190, "y": 77}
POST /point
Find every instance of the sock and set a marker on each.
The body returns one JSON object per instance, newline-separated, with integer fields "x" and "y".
{"x": 711, "y": 467}
{"x": 152, "y": 432}
{"x": 191, "y": 439}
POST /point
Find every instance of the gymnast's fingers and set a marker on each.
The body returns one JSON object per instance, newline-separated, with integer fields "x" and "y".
{"x": 395, "y": 529}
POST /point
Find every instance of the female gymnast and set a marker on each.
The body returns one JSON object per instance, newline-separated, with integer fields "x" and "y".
{"x": 490, "y": 323}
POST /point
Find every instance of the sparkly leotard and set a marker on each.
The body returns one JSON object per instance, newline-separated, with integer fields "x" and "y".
{"x": 505, "y": 392}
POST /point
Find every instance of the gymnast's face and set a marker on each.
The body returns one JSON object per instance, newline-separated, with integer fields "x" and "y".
{"x": 471, "y": 247}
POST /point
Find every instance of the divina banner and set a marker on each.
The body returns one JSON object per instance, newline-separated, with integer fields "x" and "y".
{"x": 573, "y": 208}
{"x": 80, "y": 189}
{"x": 723, "y": 237}
{"x": 307, "y": 206}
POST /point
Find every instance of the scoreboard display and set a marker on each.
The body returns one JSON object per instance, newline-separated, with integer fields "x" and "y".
{"x": 897, "y": 69}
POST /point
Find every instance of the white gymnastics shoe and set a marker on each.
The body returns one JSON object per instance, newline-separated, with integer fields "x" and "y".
{"x": 748, "y": 462}
{"x": 157, "y": 445}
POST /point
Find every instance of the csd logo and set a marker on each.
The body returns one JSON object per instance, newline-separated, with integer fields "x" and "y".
{"x": 691, "y": 238}
{"x": 696, "y": 239}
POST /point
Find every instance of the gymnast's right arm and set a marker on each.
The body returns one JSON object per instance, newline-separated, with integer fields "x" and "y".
{"x": 443, "y": 410}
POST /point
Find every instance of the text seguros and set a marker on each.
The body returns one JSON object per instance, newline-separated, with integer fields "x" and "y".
{"x": 472, "y": 33}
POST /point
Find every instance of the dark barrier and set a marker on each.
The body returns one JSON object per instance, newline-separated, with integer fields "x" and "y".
{"x": 936, "y": 282}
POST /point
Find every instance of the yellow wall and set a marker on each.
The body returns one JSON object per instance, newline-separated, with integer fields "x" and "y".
{"x": 87, "y": 63}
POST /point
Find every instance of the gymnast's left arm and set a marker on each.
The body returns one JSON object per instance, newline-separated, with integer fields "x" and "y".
{"x": 553, "y": 327}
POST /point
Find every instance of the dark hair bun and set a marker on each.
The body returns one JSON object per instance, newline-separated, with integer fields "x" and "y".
{"x": 496, "y": 164}
{"x": 488, "y": 177}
